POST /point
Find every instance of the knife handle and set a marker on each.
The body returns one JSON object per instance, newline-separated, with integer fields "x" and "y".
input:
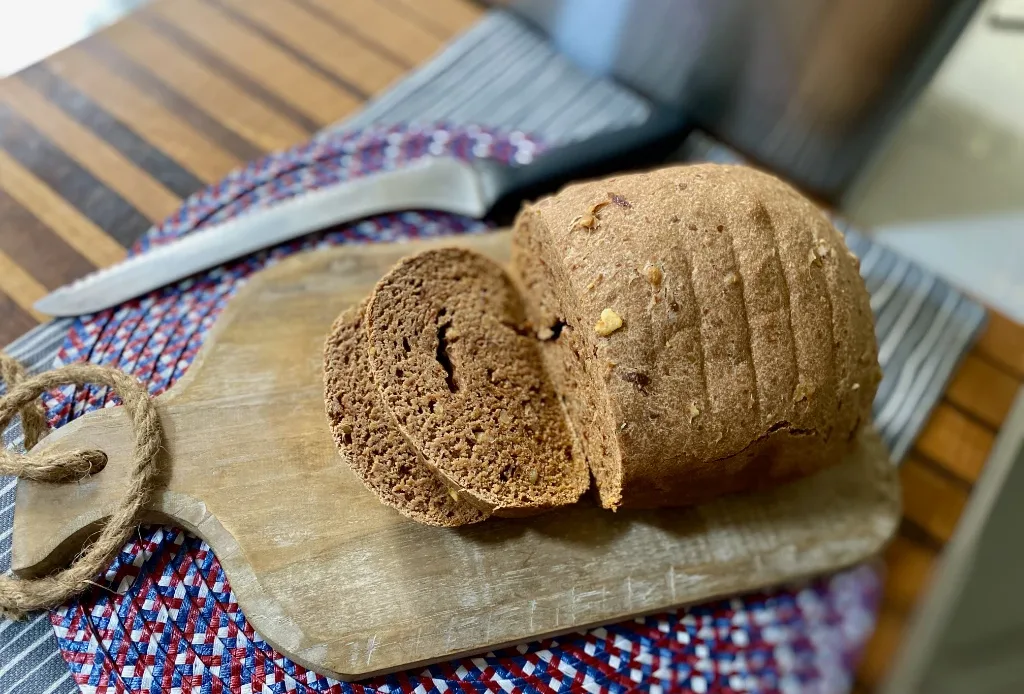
{"x": 634, "y": 147}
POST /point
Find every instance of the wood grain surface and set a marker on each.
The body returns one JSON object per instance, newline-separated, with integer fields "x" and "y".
{"x": 150, "y": 91}
{"x": 105, "y": 138}
{"x": 348, "y": 586}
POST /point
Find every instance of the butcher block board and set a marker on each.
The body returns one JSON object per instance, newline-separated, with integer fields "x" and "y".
{"x": 350, "y": 588}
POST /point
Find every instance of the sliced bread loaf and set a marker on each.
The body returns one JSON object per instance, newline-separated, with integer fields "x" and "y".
{"x": 707, "y": 325}
{"x": 369, "y": 439}
{"x": 455, "y": 364}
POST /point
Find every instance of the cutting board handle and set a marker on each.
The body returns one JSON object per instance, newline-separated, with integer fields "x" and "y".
{"x": 50, "y": 465}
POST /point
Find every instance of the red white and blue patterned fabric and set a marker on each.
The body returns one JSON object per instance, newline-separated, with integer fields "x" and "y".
{"x": 167, "y": 621}
{"x": 175, "y": 626}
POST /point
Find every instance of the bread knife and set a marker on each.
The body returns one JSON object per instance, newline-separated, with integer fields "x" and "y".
{"x": 478, "y": 188}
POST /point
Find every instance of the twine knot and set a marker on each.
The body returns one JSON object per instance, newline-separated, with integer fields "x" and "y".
{"x": 18, "y": 596}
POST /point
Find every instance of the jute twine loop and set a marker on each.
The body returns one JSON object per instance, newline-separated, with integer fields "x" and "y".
{"x": 18, "y": 596}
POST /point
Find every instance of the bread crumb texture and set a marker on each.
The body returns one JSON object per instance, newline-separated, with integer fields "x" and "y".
{"x": 457, "y": 363}
{"x": 368, "y": 437}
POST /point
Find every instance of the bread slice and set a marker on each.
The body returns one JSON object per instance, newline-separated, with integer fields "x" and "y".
{"x": 369, "y": 440}
{"x": 709, "y": 330}
{"x": 456, "y": 364}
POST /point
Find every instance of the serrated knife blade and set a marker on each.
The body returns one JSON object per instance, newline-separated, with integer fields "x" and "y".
{"x": 434, "y": 183}
{"x": 471, "y": 188}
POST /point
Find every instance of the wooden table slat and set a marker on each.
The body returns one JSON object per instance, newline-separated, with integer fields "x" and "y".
{"x": 931, "y": 500}
{"x": 956, "y": 442}
{"x": 83, "y": 109}
{"x": 186, "y": 43}
{"x": 20, "y": 286}
{"x": 203, "y": 87}
{"x": 74, "y": 183}
{"x": 908, "y": 567}
{"x": 16, "y": 322}
{"x": 143, "y": 114}
{"x": 444, "y": 17}
{"x": 98, "y": 157}
{"x": 362, "y": 69}
{"x": 160, "y": 94}
{"x": 404, "y": 38}
{"x": 881, "y": 649}
{"x": 1003, "y": 343}
{"x": 260, "y": 60}
{"x": 51, "y": 209}
{"x": 35, "y": 248}
{"x": 983, "y": 390}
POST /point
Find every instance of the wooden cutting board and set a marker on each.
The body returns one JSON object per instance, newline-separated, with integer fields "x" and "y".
{"x": 347, "y": 587}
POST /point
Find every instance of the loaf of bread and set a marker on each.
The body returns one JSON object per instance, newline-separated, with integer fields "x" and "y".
{"x": 455, "y": 363}
{"x": 677, "y": 335}
{"x": 706, "y": 325}
{"x": 369, "y": 439}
